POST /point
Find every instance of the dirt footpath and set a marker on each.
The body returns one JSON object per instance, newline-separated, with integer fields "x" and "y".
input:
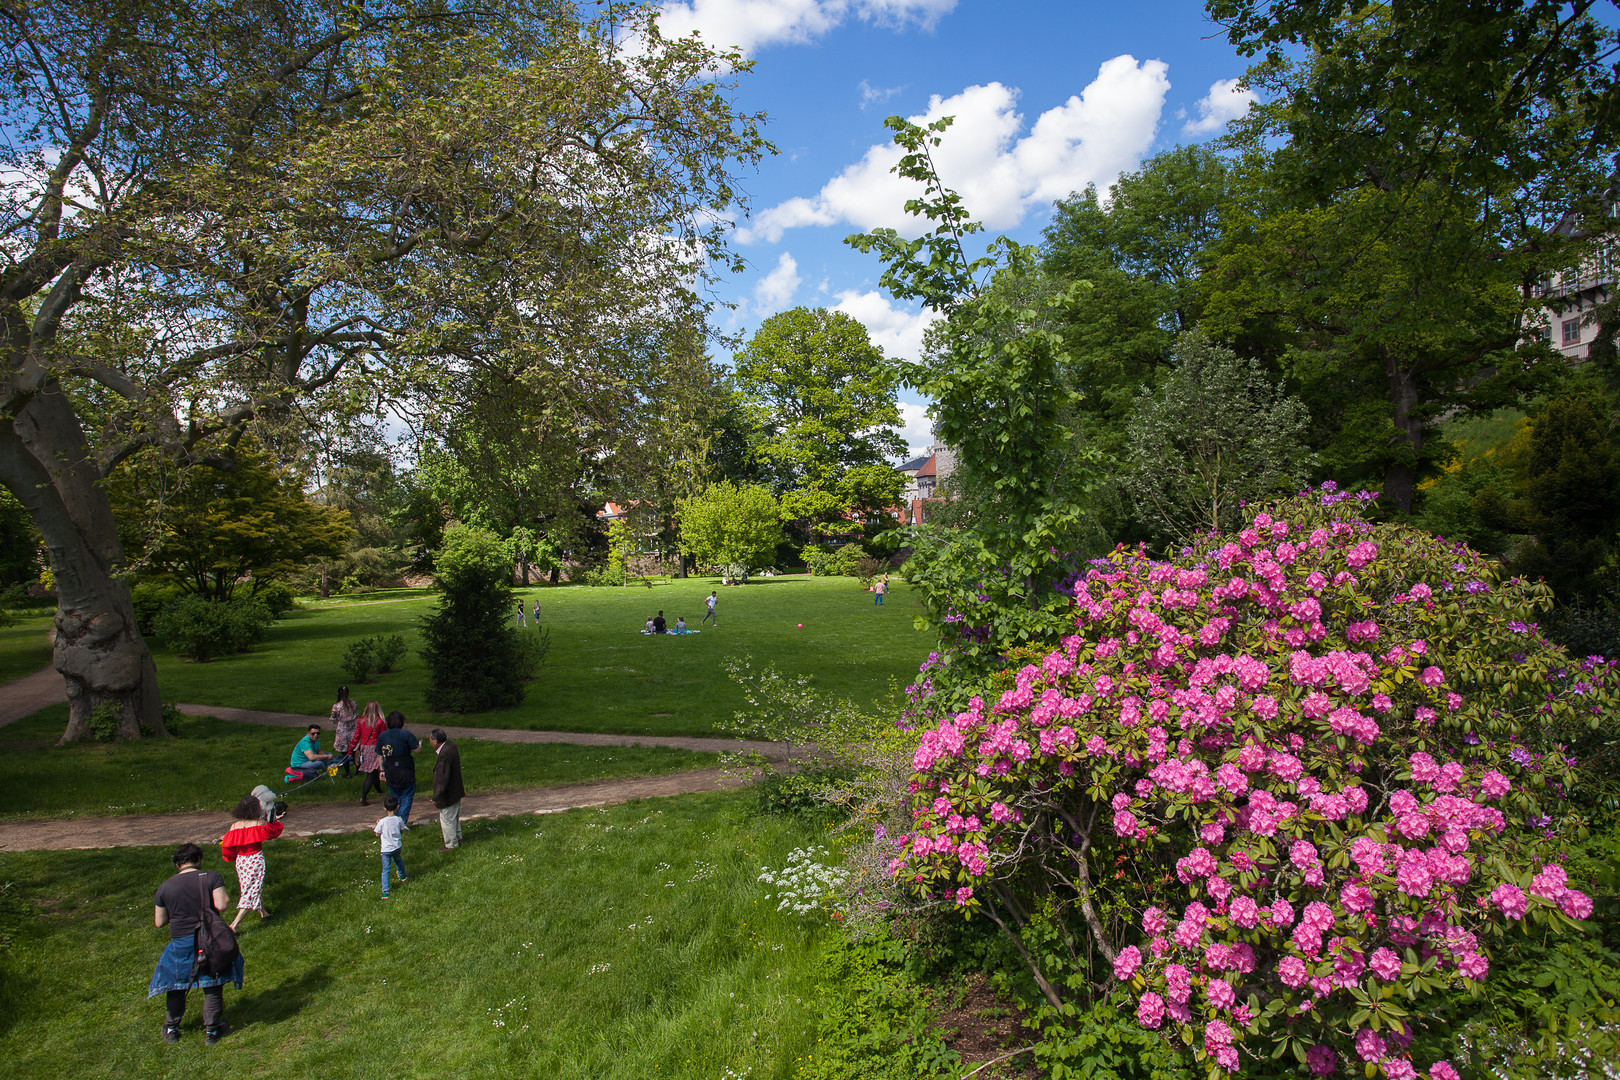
{"x": 148, "y": 830}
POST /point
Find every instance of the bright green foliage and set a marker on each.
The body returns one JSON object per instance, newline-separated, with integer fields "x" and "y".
{"x": 228, "y": 529}
{"x": 824, "y": 415}
{"x": 832, "y": 562}
{"x": 202, "y": 629}
{"x": 735, "y": 528}
{"x": 1001, "y": 398}
{"x": 876, "y": 1021}
{"x": 1218, "y": 434}
{"x": 469, "y": 644}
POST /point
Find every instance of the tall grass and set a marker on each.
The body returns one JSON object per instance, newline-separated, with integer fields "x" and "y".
{"x": 629, "y": 942}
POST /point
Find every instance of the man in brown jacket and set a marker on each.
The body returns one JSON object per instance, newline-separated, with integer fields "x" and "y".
{"x": 447, "y": 789}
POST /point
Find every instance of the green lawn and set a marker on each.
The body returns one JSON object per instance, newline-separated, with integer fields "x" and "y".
{"x": 213, "y": 763}
{"x": 631, "y": 942}
{"x": 602, "y": 674}
{"x": 24, "y": 648}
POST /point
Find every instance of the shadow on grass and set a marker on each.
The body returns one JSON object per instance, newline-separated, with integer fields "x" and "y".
{"x": 280, "y": 1003}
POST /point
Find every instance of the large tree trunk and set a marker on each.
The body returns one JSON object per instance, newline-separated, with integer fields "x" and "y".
{"x": 1400, "y": 477}
{"x": 45, "y": 462}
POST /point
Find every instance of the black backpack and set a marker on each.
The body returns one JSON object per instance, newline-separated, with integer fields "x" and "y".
{"x": 217, "y": 950}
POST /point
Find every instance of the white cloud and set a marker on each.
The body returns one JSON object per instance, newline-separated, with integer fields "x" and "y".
{"x": 776, "y": 289}
{"x": 915, "y": 427}
{"x": 898, "y": 332}
{"x": 876, "y": 95}
{"x": 751, "y": 24}
{"x": 1225, "y": 102}
{"x": 1001, "y": 171}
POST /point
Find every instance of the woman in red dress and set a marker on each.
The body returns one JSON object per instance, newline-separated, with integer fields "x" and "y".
{"x": 243, "y": 844}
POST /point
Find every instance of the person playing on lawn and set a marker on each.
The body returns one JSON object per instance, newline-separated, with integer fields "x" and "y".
{"x": 388, "y": 827}
{"x": 307, "y": 757}
{"x": 712, "y": 598}
{"x": 243, "y": 844}
{"x": 344, "y": 713}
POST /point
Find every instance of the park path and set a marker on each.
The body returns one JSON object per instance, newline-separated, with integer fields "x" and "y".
{"x": 325, "y": 819}
{"x": 25, "y": 696}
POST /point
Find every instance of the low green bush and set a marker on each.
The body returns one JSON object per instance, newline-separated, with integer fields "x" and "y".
{"x": 104, "y": 720}
{"x": 389, "y": 649}
{"x": 803, "y": 793}
{"x": 149, "y": 598}
{"x": 360, "y": 659}
{"x": 532, "y": 649}
{"x": 876, "y": 1021}
{"x": 200, "y": 629}
{"x": 833, "y": 562}
{"x": 277, "y": 596}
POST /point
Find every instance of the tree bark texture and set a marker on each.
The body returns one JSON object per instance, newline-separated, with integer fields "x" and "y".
{"x": 45, "y": 463}
{"x": 1400, "y": 477}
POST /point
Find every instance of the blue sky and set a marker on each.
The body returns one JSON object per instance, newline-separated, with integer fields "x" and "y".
{"x": 1048, "y": 96}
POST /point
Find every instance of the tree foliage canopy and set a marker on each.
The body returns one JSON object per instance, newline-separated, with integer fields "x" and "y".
{"x": 736, "y": 528}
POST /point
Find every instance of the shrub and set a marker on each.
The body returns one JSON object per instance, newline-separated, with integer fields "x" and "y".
{"x": 360, "y": 659}
{"x": 1289, "y": 789}
{"x": 867, "y": 569}
{"x": 810, "y": 792}
{"x": 389, "y": 650}
{"x": 278, "y": 597}
{"x": 149, "y": 598}
{"x": 470, "y": 647}
{"x": 201, "y": 629}
{"x": 532, "y": 649}
{"x": 833, "y": 562}
{"x": 104, "y": 721}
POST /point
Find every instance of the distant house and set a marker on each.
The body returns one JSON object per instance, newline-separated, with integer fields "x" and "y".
{"x": 923, "y": 478}
{"x": 1570, "y": 297}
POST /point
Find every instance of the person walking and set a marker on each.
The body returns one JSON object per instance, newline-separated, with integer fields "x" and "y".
{"x": 388, "y": 830}
{"x": 243, "y": 845}
{"x": 537, "y": 614}
{"x": 179, "y": 906}
{"x": 364, "y": 743}
{"x": 711, "y": 601}
{"x": 520, "y": 612}
{"x": 395, "y": 746}
{"x": 344, "y": 714}
{"x": 447, "y": 787}
{"x": 879, "y": 589}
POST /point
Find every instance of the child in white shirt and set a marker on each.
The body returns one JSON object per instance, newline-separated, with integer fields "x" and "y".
{"x": 388, "y": 827}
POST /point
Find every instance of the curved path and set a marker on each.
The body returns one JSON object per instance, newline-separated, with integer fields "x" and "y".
{"x": 31, "y": 693}
{"x": 149, "y": 830}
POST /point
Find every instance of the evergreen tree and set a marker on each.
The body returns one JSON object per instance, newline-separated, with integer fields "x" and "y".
{"x": 470, "y": 646}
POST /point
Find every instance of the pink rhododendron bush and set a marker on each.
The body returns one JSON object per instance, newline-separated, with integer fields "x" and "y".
{"x": 1286, "y": 787}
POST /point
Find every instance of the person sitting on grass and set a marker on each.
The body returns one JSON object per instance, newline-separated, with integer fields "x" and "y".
{"x": 659, "y": 624}
{"x": 680, "y": 624}
{"x": 649, "y": 627}
{"x": 307, "y": 758}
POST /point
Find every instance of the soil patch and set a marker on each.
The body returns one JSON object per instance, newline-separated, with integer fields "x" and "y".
{"x": 982, "y": 1026}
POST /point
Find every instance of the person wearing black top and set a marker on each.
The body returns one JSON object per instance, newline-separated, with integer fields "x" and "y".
{"x": 659, "y": 624}
{"x": 395, "y": 747}
{"x": 179, "y": 906}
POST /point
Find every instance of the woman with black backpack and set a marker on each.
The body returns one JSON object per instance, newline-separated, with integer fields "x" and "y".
{"x": 186, "y": 904}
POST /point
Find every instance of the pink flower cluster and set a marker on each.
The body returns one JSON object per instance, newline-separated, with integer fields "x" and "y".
{"x": 1275, "y": 736}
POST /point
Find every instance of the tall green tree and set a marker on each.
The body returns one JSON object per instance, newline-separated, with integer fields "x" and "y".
{"x": 468, "y": 642}
{"x": 825, "y": 415}
{"x": 226, "y": 530}
{"x": 734, "y": 528}
{"x": 1216, "y": 436}
{"x": 996, "y": 374}
{"x": 229, "y": 211}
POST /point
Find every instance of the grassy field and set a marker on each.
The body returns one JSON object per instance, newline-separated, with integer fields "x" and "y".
{"x": 24, "y": 648}
{"x": 212, "y": 763}
{"x": 602, "y": 674}
{"x": 630, "y": 942}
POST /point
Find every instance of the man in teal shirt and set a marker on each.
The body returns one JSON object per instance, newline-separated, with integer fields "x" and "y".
{"x": 306, "y": 756}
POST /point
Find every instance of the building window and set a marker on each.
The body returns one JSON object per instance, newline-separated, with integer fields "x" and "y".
{"x": 1572, "y": 331}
